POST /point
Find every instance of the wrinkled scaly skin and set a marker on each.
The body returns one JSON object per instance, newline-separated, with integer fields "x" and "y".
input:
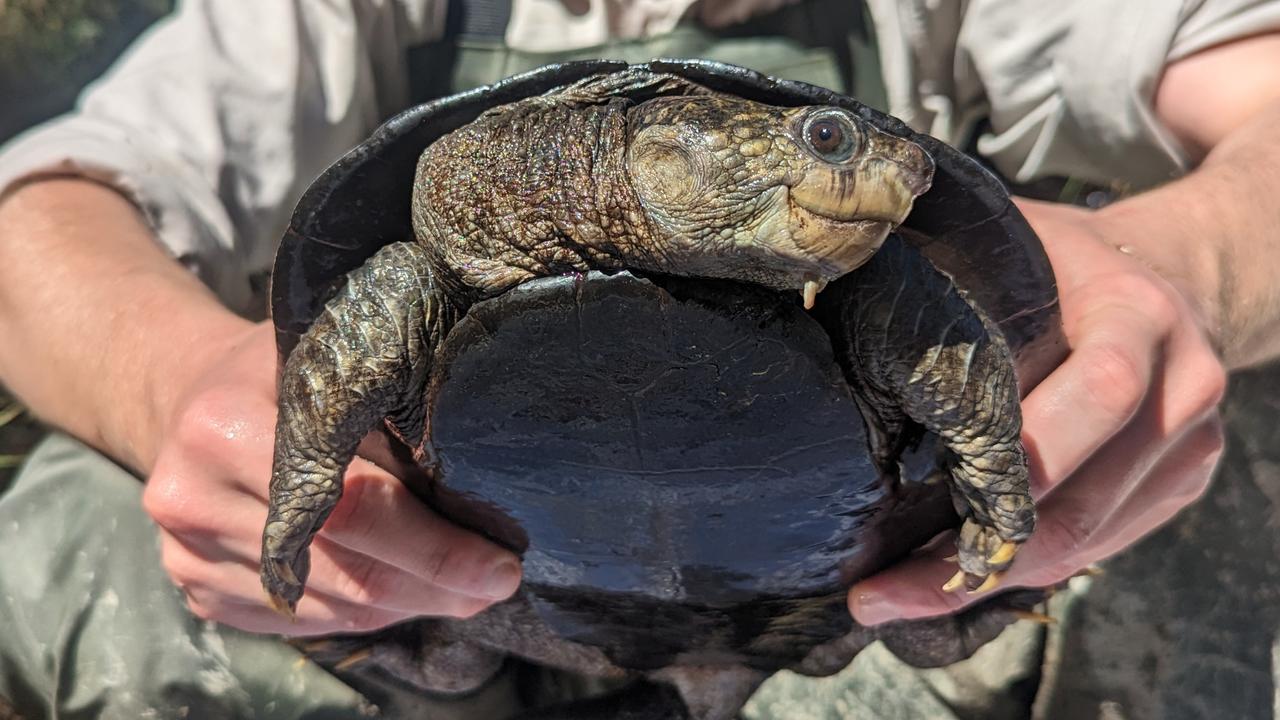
{"x": 690, "y": 183}
{"x": 918, "y": 351}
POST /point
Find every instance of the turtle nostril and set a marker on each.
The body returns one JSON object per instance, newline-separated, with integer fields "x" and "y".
{"x": 919, "y": 181}
{"x": 919, "y": 169}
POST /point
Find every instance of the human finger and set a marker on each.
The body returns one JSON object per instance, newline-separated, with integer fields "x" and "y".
{"x": 210, "y": 595}
{"x": 378, "y": 517}
{"x": 1093, "y": 394}
{"x": 233, "y": 533}
{"x": 322, "y": 615}
{"x": 1178, "y": 420}
{"x": 337, "y": 573}
{"x": 1181, "y": 479}
{"x": 911, "y": 588}
{"x": 1076, "y": 529}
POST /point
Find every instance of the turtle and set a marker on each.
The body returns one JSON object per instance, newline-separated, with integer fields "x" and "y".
{"x": 786, "y": 331}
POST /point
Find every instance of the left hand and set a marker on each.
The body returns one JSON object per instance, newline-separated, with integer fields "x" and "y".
{"x": 1121, "y": 436}
{"x": 208, "y": 494}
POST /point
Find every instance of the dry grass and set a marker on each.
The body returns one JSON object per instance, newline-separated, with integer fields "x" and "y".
{"x": 18, "y": 432}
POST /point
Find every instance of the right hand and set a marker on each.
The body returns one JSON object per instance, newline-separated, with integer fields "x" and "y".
{"x": 382, "y": 557}
{"x": 1121, "y": 436}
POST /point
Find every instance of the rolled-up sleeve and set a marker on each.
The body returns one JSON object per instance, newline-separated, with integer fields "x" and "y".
{"x": 215, "y": 121}
{"x": 1071, "y": 86}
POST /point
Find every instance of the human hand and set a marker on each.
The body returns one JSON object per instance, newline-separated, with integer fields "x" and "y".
{"x": 381, "y": 558}
{"x": 1121, "y": 436}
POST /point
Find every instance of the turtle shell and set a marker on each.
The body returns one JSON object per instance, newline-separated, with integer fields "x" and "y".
{"x": 966, "y": 224}
{"x": 679, "y": 462}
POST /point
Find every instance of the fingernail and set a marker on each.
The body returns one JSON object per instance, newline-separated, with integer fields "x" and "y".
{"x": 871, "y": 608}
{"x": 503, "y": 580}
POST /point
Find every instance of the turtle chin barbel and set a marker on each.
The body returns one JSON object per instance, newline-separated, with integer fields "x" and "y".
{"x": 582, "y": 344}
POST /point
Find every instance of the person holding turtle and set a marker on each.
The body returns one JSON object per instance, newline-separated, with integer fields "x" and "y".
{"x": 196, "y": 146}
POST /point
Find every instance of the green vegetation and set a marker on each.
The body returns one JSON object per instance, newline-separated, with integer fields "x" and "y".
{"x": 50, "y": 49}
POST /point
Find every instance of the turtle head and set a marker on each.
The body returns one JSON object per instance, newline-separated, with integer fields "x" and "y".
{"x": 790, "y": 198}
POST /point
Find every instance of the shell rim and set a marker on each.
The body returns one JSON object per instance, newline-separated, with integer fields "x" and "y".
{"x": 313, "y": 258}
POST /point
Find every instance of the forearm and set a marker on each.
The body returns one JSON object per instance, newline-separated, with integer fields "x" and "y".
{"x": 1214, "y": 235}
{"x": 101, "y": 328}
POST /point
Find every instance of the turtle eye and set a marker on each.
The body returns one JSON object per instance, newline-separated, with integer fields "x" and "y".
{"x": 832, "y": 136}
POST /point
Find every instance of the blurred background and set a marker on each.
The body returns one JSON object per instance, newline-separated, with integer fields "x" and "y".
{"x": 49, "y": 50}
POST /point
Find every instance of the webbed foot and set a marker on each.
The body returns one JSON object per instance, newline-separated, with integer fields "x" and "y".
{"x": 983, "y": 556}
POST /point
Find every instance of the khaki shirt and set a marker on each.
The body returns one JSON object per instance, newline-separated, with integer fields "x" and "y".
{"x": 221, "y": 115}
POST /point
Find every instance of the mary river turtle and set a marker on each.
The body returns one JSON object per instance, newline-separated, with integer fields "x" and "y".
{"x": 667, "y": 171}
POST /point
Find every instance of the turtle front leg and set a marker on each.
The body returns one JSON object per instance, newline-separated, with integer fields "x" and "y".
{"x": 365, "y": 358}
{"x": 916, "y": 347}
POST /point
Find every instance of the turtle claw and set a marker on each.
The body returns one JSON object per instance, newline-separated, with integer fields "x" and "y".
{"x": 282, "y": 596}
{"x": 1035, "y": 617}
{"x": 983, "y": 554}
{"x": 284, "y": 572}
{"x": 1003, "y": 554}
{"x": 282, "y": 585}
{"x": 972, "y": 584}
{"x": 354, "y": 659}
{"x": 983, "y": 557}
{"x": 991, "y": 582}
{"x": 955, "y": 583}
{"x": 282, "y": 606}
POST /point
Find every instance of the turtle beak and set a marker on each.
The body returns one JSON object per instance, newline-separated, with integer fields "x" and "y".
{"x": 846, "y": 211}
{"x": 882, "y": 186}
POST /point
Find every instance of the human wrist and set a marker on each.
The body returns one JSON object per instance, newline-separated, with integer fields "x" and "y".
{"x": 101, "y": 327}
{"x": 1173, "y": 246}
{"x": 186, "y": 343}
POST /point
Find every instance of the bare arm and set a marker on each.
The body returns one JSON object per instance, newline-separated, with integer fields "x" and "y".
{"x": 108, "y": 338}
{"x": 1125, "y": 433}
{"x": 214, "y": 123}
{"x": 1213, "y": 234}
{"x": 102, "y": 328}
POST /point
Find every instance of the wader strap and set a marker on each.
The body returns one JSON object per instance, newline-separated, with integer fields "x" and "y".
{"x": 825, "y": 42}
{"x": 478, "y": 20}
